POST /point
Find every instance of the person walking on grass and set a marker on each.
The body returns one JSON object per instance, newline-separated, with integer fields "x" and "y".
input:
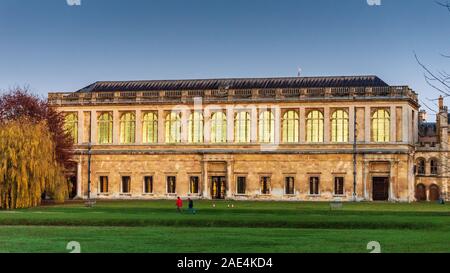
{"x": 191, "y": 206}
{"x": 179, "y": 204}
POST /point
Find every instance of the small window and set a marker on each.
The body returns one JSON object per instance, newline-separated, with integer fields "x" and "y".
{"x": 148, "y": 184}
{"x": 421, "y": 166}
{"x": 289, "y": 185}
{"x": 434, "y": 166}
{"x": 103, "y": 184}
{"x": 314, "y": 185}
{"x": 171, "y": 184}
{"x": 241, "y": 184}
{"x": 265, "y": 185}
{"x": 126, "y": 184}
{"x": 339, "y": 186}
{"x": 194, "y": 184}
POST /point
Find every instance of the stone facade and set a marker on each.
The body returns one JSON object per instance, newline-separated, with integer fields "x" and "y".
{"x": 303, "y": 170}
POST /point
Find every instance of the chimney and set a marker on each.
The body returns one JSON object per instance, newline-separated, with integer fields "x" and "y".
{"x": 441, "y": 103}
{"x": 422, "y": 116}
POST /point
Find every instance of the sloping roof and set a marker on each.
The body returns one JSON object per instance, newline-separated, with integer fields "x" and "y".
{"x": 236, "y": 83}
{"x": 427, "y": 129}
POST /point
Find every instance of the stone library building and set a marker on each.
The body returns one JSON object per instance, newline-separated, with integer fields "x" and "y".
{"x": 292, "y": 138}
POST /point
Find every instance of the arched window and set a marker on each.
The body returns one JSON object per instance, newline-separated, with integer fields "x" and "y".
{"x": 434, "y": 166}
{"x": 290, "y": 126}
{"x": 339, "y": 126}
{"x": 173, "y": 127}
{"x": 314, "y": 126}
{"x": 242, "y": 127}
{"x": 127, "y": 128}
{"x": 218, "y": 127}
{"x": 105, "y": 128}
{"x": 195, "y": 127}
{"x": 266, "y": 127}
{"x": 150, "y": 128}
{"x": 420, "y": 166}
{"x": 71, "y": 126}
{"x": 381, "y": 126}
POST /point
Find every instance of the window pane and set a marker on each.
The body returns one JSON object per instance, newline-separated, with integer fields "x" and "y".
{"x": 127, "y": 128}
{"x": 314, "y": 126}
{"x": 105, "y": 128}
{"x": 195, "y": 127}
{"x": 290, "y": 127}
{"x": 150, "y": 128}
{"x": 173, "y": 127}
{"x": 266, "y": 125}
{"x": 218, "y": 127}
{"x": 381, "y": 126}
{"x": 71, "y": 126}
{"x": 242, "y": 127}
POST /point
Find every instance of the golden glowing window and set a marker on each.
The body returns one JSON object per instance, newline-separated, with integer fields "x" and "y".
{"x": 339, "y": 126}
{"x": 105, "y": 128}
{"x": 242, "y": 127}
{"x": 150, "y": 128}
{"x": 290, "y": 126}
{"x": 71, "y": 126}
{"x": 381, "y": 126}
{"x": 266, "y": 128}
{"x": 195, "y": 128}
{"x": 218, "y": 127}
{"x": 127, "y": 128}
{"x": 173, "y": 127}
{"x": 314, "y": 126}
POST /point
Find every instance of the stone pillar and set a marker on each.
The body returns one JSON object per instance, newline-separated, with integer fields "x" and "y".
{"x": 230, "y": 124}
{"x": 393, "y": 195}
{"x": 80, "y": 129}
{"x": 406, "y": 122}
{"x": 326, "y": 125}
{"x": 184, "y": 125}
{"x": 415, "y": 129}
{"x": 161, "y": 127}
{"x": 302, "y": 125}
{"x": 393, "y": 115}
{"x": 207, "y": 125}
{"x": 138, "y": 133}
{"x": 94, "y": 127}
{"x": 205, "y": 193}
{"x": 79, "y": 179}
{"x": 367, "y": 125}
{"x": 366, "y": 177}
{"x": 277, "y": 117}
{"x": 351, "y": 124}
{"x": 229, "y": 178}
{"x": 116, "y": 127}
{"x": 254, "y": 124}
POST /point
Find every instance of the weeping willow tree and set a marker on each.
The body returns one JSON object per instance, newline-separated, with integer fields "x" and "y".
{"x": 28, "y": 165}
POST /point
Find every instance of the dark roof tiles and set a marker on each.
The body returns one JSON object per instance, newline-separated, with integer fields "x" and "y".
{"x": 236, "y": 83}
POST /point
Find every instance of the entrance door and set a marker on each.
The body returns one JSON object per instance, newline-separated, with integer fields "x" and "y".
{"x": 380, "y": 189}
{"x": 218, "y": 187}
{"x": 434, "y": 193}
{"x": 73, "y": 187}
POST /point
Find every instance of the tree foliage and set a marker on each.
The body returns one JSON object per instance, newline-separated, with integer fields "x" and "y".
{"x": 28, "y": 165}
{"x": 20, "y": 103}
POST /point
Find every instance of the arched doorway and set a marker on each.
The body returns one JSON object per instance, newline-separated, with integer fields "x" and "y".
{"x": 421, "y": 192}
{"x": 435, "y": 193}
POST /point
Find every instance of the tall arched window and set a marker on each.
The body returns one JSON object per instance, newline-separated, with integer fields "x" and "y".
{"x": 105, "y": 128}
{"x": 218, "y": 127}
{"x": 195, "y": 127}
{"x": 314, "y": 126}
{"x": 150, "y": 128}
{"x": 266, "y": 128}
{"x": 434, "y": 166}
{"x": 71, "y": 126}
{"x": 339, "y": 126}
{"x": 420, "y": 166}
{"x": 290, "y": 126}
{"x": 173, "y": 127}
{"x": 242, "y": 127}
{"x": 381, "y": 126}
{"x": 127, "y": 128}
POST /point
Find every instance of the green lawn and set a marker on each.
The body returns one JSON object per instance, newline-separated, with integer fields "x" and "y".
{"x": 155, "y": 226}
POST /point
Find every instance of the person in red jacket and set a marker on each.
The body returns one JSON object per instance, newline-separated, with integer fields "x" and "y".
{"x": 179, "y": 204}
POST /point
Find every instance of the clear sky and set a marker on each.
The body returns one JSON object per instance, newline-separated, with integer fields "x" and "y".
{"x": 51, "y": 46}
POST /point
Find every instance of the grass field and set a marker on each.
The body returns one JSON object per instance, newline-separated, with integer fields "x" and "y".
{"x": 155, "y": 226}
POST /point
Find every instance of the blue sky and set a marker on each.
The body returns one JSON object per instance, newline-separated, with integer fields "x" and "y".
{"x": 51, "y": 46}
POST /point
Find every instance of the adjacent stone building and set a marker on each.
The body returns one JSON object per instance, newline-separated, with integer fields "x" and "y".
{"x": 299, "y": 138}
